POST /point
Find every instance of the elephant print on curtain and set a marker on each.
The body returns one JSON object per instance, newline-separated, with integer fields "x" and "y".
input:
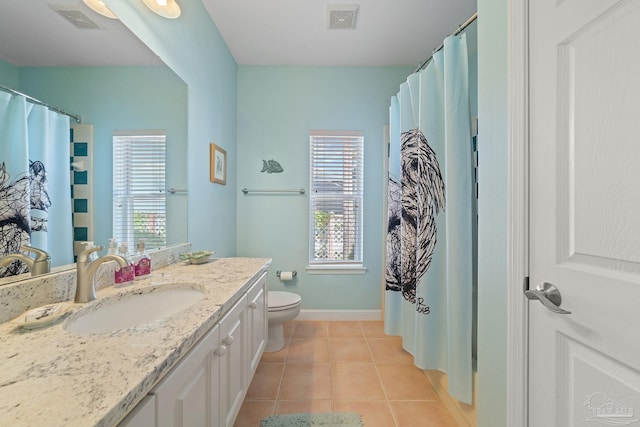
{"x": 34, "y": 177}
{"x": 413, "y": 203}
{"x": 17, "y": 198}
{"x": 430, "y": 251}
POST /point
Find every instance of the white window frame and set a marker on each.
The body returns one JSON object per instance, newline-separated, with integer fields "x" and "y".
{"x": 134, "y": 188}
{"x": 320, "y": 150}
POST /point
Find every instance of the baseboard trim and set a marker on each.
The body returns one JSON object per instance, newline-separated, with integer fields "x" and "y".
{"x": 340, "y": 315}
{"x": 463, "y": 414}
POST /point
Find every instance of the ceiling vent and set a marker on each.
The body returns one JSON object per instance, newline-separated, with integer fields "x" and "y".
{"x": 342, "y": 16}
{"x": 75, "y": 16}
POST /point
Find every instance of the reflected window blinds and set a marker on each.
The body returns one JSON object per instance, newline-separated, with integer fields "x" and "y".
{"x": 139, "y": 203}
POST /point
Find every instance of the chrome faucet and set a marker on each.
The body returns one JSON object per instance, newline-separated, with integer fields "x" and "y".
{"x": 86, "y": 271}
{"x": 41, "y": 264}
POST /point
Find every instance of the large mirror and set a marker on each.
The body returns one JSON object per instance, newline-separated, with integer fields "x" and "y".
{"x": 72, "y": 58}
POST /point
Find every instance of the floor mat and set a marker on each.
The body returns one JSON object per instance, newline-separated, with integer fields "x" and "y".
{"x": 331, "y": 419}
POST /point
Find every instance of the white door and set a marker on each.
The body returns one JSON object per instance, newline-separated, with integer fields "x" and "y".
{"x": 584, "y": 367}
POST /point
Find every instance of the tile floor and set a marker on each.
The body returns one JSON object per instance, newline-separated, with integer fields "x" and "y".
{"x": 340, "y": 366}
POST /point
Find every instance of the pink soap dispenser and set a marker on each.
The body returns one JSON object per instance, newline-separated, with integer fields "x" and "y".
{"x": 142, "y": 262}
{"x": 124, "y": 276}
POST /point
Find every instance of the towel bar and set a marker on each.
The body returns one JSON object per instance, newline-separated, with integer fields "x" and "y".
{"x": 247, "y": 191}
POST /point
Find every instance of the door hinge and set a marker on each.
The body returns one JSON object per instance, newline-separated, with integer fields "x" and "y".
{"x": 525, "y": 283}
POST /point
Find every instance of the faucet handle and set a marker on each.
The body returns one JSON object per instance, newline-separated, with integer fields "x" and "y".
{"x": 41, "y": 263}
{"x": 40, "y": 254}
{"x": 84, "y": 255}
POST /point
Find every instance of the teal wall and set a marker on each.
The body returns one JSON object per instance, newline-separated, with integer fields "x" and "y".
{"x": 210, "y": 73}
{"x": 120, "y": 98}
{"x": 277, "y": 107}
{"x": 492, "y": 210}
{"x": 9, "y": 75}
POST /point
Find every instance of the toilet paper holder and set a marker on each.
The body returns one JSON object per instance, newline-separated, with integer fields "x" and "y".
{"x": 293, "y": 273}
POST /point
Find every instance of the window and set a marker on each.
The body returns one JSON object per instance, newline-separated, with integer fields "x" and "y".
{"x": 335, "y": 223}
{"x": 139, "y": 188}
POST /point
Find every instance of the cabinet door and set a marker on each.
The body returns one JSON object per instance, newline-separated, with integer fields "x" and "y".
{"x": 256, "y": 323}
{"x": 233, "y": 363}
{"x": 143, "y": 415}
{"x": 217, "y": 363}
{"x": 184, "y": 397}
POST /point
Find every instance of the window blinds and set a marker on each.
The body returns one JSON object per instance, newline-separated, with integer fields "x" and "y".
{"x": 139, "y": 208}
{"x": 336, "y": 197}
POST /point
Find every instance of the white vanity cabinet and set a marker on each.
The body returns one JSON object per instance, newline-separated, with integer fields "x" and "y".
{"x": 243, "y": 331}
{"x": 208, "y": 385}
{"x": 187, "y": 396}
{"x": 257, "y": 322}
{"x": 233, "y": 362}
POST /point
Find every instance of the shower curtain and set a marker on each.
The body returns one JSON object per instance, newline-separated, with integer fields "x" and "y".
{"x": 429, "y": 272}
{"x": 35, "y": 195}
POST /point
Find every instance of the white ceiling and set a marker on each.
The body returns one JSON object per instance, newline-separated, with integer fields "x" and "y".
{"x": 33, "y": 34}
{"x": 274, "y": 32}
{"x": 295, "y": 32}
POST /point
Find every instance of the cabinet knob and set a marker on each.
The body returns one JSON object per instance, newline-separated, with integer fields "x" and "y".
{"x": 220, "y": 351}
{"x": 253, "y": 305}
{"x": 228, "y": 340}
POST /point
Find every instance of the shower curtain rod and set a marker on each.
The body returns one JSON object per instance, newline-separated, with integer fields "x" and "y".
{"x": 460, "y": 29}
{"x": 37, "y": 101}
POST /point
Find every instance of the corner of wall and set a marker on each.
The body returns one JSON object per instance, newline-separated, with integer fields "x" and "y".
{"x": 493, "y": 146}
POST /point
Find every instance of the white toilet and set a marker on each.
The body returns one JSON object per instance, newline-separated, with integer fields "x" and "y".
{"x": 282, "y": 307}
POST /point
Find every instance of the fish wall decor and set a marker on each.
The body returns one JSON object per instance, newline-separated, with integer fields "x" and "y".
{"x": 271, "y": 166}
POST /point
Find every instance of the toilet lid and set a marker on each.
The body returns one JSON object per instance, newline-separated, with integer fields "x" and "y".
{"x": 279, "y": 299}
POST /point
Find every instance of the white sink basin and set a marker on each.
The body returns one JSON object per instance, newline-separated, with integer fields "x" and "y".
{"x": 133, "y": 309}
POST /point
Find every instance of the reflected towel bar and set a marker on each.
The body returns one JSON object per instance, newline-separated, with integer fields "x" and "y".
{"x": 174, "y": 191}
{"x": 247, "y": 191}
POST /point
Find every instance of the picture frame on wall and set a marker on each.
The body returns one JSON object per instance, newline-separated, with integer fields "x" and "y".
{"x": 217, "y": 164}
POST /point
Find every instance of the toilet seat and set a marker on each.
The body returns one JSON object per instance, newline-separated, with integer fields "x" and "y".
{"x": 279, "y": 301}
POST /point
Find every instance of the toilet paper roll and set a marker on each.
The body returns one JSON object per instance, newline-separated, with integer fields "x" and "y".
{"x": 286, "y": 276}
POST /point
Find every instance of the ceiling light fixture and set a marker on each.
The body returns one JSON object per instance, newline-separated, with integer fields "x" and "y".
{"x": 165, "y": 8}
{"x": 98, "y": 6}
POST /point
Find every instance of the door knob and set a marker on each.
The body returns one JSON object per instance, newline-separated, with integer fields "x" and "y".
{"x": 549, "y": 296}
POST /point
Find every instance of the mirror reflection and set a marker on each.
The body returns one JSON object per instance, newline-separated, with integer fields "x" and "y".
{"x": 118, "y": 87}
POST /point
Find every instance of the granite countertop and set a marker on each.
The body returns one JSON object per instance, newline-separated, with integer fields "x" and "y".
{"x": 52, "y": 377}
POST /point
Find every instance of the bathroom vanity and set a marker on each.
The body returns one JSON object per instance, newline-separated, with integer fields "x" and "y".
{"x": 191, "y": 368}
